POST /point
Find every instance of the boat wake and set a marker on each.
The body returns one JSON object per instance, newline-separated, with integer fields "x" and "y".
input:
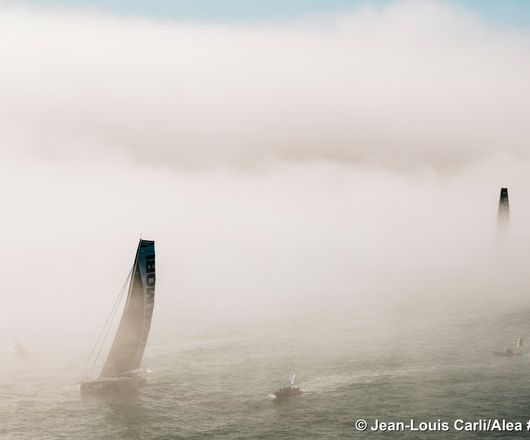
{"x": 337, "y": 381}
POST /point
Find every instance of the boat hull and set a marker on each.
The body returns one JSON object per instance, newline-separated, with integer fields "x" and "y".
{"x": 503, "y": 354}
{"x": 111, "y": 386}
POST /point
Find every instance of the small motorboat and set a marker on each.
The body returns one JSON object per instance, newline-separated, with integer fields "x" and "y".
{"x": 288, "y": 391}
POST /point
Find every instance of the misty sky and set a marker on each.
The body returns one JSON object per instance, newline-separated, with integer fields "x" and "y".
{"x": 299, "y": 159}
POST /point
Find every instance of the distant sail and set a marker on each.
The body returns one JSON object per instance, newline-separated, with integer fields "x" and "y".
{"x": 19, "y": 349}
{"x": 504, "y": 207}
{"x": 129, "y": 343}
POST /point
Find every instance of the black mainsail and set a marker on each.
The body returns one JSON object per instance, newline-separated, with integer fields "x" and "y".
{"x": 129, "y": 343}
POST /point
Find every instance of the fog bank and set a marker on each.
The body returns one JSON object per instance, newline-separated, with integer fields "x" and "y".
{"x": 327, "y": 166}
{"x": 418, "y": 83}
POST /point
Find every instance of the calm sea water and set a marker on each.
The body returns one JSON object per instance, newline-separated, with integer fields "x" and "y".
{"x": 215, "y": 382}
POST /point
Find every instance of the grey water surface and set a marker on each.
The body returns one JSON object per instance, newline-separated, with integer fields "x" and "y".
{"x": 215, "y": 381}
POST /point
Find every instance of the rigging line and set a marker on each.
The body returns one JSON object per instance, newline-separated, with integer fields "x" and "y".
{"x": 110, "y": 319}
{"x": 86, "y": 370}
{"x": 105, "y": 336}
{"x": 111, "y": 314}
{"x": 106, "y": 327}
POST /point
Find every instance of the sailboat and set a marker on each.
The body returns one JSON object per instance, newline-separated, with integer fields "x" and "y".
{"x": 121, "y": 371}
{"x": 19, "y": 349}
{"x": 509, "y": 352}
{"x": 504, "y": 208}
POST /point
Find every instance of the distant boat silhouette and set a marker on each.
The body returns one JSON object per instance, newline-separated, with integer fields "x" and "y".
{"x": 504, "y": 208}
{"x": 288, "y": 391}
{"x": 509, "y": 352}
{"x": 20, "y": 350}
{"x": 121, "y": 370}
